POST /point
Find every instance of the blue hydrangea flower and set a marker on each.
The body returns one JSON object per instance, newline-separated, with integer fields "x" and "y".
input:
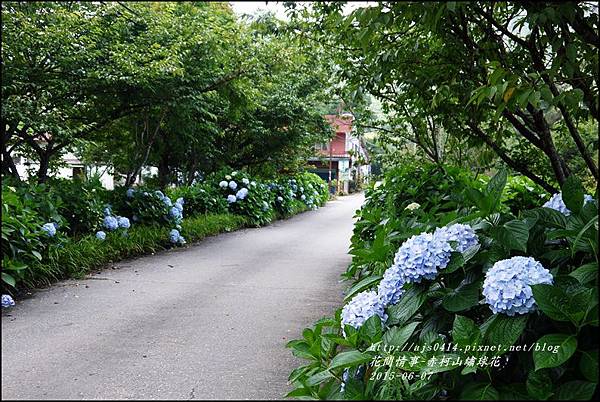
{"x": 390, "y": 289}
{"x": 223, "y": 184}
{"x": 49, "y": 229}
{"x": 231, "y": 198}
{"x": 507, "y": 285}
{"x": 302, "y": 197}
{"x": 175, "y": 212}
{"x": 7, "y": 301}
{"x": 111, "y": 223}
{"x": 232, "y": 185}
{"x": 107, "y": 211}
{"x": 181, "y": 201}
{"x": 130, "y": 192}
{"x": 241, "y": 194}
{"x": 178, "y": 207}
{"x": 167, "y": 201}
{"x": 159, "y": 194}
{"x": 362, "y": 307}
{"x": 174, "y": 235}
{"x": 421, "y": 256}
{"x": 55, "y": 225}
{"x": 124, "y": 223}
{"x": 100, "y": 235}
{"x": 245, "y": 181}
{"x": 345, "y": 378}
{"x": 463, "y": 235}
{"x": 556, "y": 202}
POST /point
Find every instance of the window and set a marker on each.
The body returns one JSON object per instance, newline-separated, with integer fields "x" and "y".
{"x": 77, "y": 172}
{"x": 322, "y": 146}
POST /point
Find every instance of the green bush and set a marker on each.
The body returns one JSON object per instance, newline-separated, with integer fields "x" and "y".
{"x": 143, "y": 205}
{"x": 24, "y": 241}
{"x": 201, "y": 198}
{"x": 82, "y": 203}
{"x": 442, "y": 316}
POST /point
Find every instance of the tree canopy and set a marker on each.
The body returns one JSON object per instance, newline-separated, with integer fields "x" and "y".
{"x": 186, "y": 87}
{"x": 517, "y": 78}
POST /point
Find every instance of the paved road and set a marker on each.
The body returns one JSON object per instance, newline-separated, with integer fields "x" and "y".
{"x": 206, "y": 322}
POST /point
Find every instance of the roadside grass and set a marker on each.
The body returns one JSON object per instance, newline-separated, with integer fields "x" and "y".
{"x": 74, "y": 259}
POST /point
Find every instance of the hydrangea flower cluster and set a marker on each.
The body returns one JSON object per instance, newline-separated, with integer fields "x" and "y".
{"x": 362, "y": 307}
{"x": 101, "y": 235}
{"x": 421, "y": 256}
{"x": 507, "y": 285}
{"x": 176, "y": 238}
{"x": 463, "y": 235}
{"x": 390, "y": 289}
{"x": 556, "y": 202}
{"x": 7, "y": 301}
{"x": 123, "y": 222}
{"x": 242, "y": 193}
{"x": 231, "y": 198}
{"x": 50, "y": 228}
{"x": 111, "y": 223}
{"x": 176, "y": 211}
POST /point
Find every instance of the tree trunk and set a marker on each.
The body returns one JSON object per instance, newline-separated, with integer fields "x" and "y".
{"x": 42, "y": 174}
{"x": 163, "y": 170}
{"x": 8, "y": 166}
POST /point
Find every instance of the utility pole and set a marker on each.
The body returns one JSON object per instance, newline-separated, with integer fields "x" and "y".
{"x": 330, "y": 163}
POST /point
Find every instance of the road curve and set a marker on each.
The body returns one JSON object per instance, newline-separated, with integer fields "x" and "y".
{"x": 209, "y": 321}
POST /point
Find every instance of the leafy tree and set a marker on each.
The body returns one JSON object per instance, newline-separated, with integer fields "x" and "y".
{"x": 509, "y": 76}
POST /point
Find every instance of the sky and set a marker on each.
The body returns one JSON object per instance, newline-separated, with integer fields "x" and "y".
{"x": 250, "y": 7}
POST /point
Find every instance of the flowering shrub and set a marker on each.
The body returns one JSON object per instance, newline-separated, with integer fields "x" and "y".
{"x": 82, "y": 202}
{"x": 201, "y": 198}
{"x": 466, "y": 271}
{"x": 148, "y": 207}
{"x": 26, "y": 232}
{"x": 245, "y": 196}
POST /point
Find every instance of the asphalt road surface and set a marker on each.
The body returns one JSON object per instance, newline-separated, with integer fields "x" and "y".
{"x": 209, "y": 321}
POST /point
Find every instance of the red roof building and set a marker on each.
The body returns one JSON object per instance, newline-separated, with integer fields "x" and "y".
{"x": 337, "y": 161}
